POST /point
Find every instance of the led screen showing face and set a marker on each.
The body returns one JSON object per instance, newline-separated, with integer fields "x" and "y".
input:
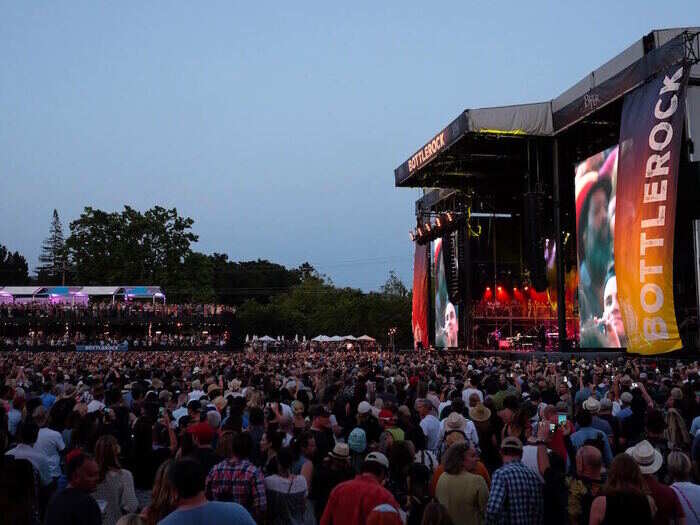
{"x": 601, "y": 323}
{"x": 446, "y": 320}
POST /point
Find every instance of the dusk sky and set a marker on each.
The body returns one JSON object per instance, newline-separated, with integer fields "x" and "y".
{"x": 275, "y": 126}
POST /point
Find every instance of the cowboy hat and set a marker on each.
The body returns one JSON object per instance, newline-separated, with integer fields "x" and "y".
{"x": 646, "y": 456}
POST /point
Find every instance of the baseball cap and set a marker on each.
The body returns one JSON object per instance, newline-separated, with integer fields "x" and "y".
{"x": 364, "y": 407}
{"x": 378, "y": 457}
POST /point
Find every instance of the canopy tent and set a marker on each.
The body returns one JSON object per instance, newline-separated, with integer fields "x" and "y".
{"x": 75, "y": 294}
{"x": 321, "y": 339}
{"x": 349, "y": 338}
{"x": 366, "y": 338}
{"x": 267, "y": 339}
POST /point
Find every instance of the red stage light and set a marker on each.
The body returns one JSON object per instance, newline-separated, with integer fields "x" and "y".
{"x": 515, "y": 288}
{"x": 526, "y": 288}
{"x": 488, "y": 288}
{"x": 500, "y": 289}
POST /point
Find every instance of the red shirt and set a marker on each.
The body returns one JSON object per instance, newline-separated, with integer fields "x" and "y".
{"x": 669, "y": 509}
{"x": 351, "y": 502}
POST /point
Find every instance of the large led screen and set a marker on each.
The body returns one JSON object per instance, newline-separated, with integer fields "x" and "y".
{"x": 601, "y": 323}
{"x": 446, "y": 320}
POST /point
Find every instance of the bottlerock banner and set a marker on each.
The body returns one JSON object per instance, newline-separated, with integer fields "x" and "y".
{"x": 647, "y": 178}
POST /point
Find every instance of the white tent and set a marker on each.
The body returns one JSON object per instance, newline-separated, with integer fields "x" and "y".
{"x": 365, "y": 338}
{"x": 335, "y": 339}
{"x": 267, "y": 339}
{"x": 321, "y": 339}
{"x": 349, "y": 338}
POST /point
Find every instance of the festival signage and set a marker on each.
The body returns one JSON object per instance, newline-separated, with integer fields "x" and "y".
{"x": 123, "y": 347}
{"x": 625, "y": 220}
{"x": 650, "y": 147}
{"x": 420, "y": 296}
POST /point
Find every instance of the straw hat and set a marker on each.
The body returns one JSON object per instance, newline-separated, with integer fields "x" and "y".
{"x": 479, "y": 413}
{"x": 646, "y": 456}
{"x": 340, "y": 451}
{"x": 591, "y": 405}
{"x": 455, "y": 421}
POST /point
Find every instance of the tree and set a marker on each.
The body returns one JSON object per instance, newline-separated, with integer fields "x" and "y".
{"x": 14, "y": 270}
{"x": 130, "y": 247}
{"x": 52, "y": 261}
{"x": 394, "y": 286}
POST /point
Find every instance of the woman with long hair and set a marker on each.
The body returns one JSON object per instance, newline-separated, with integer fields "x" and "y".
{"x": 679, "y": 469}
{"x": 624, "y": 499}
{"x": 287, "y": 494}
{"x": 116, "y": 486}
{"x": 463, "y": 494}
{"x": 163, "y": 497}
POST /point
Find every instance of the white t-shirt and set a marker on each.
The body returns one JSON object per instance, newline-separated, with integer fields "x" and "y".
{"x": 468, "y": 392}
{"x": 469, "y": 431}
{"x": 195, "y": 395}
{"x": 431, "y": 428}
{"x": 689, "y": 495}
{"x": 38, "y": 460}
{"x": 50, "y": 444}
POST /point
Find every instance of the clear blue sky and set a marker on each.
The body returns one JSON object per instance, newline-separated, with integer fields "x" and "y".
{"x": 275, "y": 126}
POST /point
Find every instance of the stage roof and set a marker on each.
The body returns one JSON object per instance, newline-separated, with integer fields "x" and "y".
{"x": 484, "y": 142}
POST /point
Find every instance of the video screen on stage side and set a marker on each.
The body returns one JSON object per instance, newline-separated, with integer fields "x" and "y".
{"x": 446, "y": 320}
{"x": 601, "y": 323}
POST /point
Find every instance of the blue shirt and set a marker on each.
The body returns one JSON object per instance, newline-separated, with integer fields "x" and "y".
{"x": 695, "y": 426}
{"x": 516, "y": 496}
{"x": 211, "y": 513}
{"x": 582, "y": 395}
{"x": 600, "y": 424}
{"x": 48, "y": 399}
{"x": 579, "y": 438}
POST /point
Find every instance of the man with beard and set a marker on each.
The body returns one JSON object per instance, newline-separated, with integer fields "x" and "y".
{"x": 594, "y": 242}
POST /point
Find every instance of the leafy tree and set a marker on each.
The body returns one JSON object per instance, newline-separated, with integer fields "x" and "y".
{"x": 52, "y": 261}
{"x": 394, "y": 286}
{"x": 14, "y": 270}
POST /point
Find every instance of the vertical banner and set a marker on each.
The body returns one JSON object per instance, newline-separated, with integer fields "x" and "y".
{"x": 420, "y": 296}
{"x": 650, "y": 146}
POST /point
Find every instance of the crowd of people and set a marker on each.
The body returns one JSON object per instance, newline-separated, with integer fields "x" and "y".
{"x": 136, "y": 325}
{"x": 346, "y": 438}
{"x": 107, "y": 311}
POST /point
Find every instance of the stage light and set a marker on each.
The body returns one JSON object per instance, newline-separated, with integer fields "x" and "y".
{"x": 450, "y": 216}
{"x": 438, "y": 222}
{"x": 500, "y": 288}
{"x": 515, "y": 288}
{"x": 527, "y": 288}
{"x": 427, "y": 227}
{"x": 411, "y": 235}
{"x": 488, "y": 288}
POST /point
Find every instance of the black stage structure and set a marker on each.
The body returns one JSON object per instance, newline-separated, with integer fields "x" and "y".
{"x": 511, "y": 169}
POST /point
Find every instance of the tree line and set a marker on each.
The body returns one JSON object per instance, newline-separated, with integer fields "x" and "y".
{"x": 155, "y": 247}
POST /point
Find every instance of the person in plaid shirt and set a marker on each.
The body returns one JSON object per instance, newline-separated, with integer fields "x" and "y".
{"x": 238, "y": 480}
{"x": 516, "y": 496}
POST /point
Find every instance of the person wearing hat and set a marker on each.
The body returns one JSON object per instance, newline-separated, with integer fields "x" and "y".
{"x": 649, "y": 460}
{"x": 625, "y": 410}
{"x": 516, "y": 492}
{"x": 352, "y": 502}
{"x": 321, "y": 431}
{"x": 387, "y": 419}
{"x": 367, "y": 422}
{"x": 357, "y": 443}
{"x": 203, "y": 436}
{"x": 586, "y": 433}
{"x": 592, "y": 405}
{"x": 334, "y": 470}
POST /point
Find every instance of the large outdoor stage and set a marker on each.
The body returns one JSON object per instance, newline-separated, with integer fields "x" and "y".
{"x": 571, "y": 223}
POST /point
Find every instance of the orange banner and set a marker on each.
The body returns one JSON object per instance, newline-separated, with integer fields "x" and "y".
{"x": 647, "y": 176}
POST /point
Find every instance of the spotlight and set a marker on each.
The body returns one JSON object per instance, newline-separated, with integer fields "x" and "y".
{"x": 527, "y": 288}
{"x": 411, "y": 235}
{"x": 450, "y": 216}
{"x": 488, "y": 288}
{"x": 515, "y": 288}
{"x": 500, "y": 288}
{"x": 427, "y": 227}
{"x": 438, "y": 222}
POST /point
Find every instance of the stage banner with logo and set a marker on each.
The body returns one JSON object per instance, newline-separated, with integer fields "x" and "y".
{"x": 650, "y": 144}
{"x": 420, "y": 296}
